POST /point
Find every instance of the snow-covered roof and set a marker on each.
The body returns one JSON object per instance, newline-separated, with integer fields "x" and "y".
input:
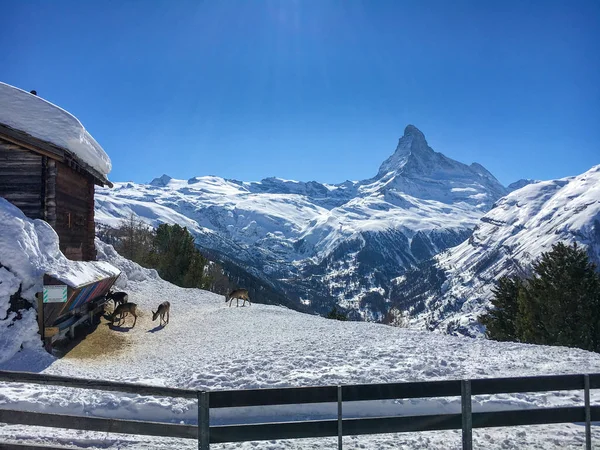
{"x": 45, "y": 121}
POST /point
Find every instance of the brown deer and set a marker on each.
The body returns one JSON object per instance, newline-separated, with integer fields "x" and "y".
{"x": 163, "y": 308}
{"x": 118, "y": 298}
{"x": 122, "y": 310}
{"x": 238, "y": 294}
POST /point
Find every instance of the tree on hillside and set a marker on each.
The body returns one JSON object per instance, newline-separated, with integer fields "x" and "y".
{"x": 170, "y": 249}
{"x": 196, "y": 274}
{"x": 336, "y": 314}
{"x": 559, "y": 304}
{"x": 565, "y": 293}
{"x": 177, "y": 258}
{"x": 500, "y": 322}
{"x": 133, "y": 239}
{"x": 217, "y": 281}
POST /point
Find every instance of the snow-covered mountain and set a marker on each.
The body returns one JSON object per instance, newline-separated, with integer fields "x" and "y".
{"x": 321, "y": 243}
{"x": 449, "y": 294}
{"x": 520, "y": 183}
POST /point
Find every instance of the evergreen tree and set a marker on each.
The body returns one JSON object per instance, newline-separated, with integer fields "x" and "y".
{"x": 336, "y": 314}
{"x": 501, "y": 321}
{"x": 195, "y": 276}
{"x": 565, "y": 294}
{"x": 558, "y": 305}
{"x": 170, "y": 249}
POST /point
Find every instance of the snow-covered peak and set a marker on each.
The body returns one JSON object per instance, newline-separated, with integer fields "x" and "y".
{"x": 161, "y": 181}
{"x": 412, "y": 143}
{"x": 411, "y": 130}
{"x": 43, "y": 120}
{"x": 417, "y": 170}
{"x": 520, "y": 183}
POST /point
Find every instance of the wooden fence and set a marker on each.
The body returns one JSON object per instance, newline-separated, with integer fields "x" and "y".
{"x": 206, "y": 434}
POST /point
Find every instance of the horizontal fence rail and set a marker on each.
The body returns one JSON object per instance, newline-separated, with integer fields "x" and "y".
{"x": 205, "y": 434}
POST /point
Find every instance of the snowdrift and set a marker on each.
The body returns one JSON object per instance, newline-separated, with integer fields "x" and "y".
{"x": 28, "y": 250}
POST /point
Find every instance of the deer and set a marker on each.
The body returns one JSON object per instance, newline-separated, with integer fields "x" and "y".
{"x": 118, "y": 298}
{"x": 238, "y": 294}
{"x": 163, "y": 308}
{"x": 122, "y": 310}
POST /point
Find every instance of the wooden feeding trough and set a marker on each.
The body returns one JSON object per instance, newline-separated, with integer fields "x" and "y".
{"x": 71, "y": 299}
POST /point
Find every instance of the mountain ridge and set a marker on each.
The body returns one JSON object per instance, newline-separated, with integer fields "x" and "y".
{"x": 449, "y": 293}
{"x": 337, "y": 242}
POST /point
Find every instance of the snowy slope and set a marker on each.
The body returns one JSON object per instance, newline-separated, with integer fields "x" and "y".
{"x": 209, "y": 345}
{"x": 325, "y": 243}
{"x": 28, "y": 250}
{"x": 43, "y": 120}
{"x": 507, "y": 240}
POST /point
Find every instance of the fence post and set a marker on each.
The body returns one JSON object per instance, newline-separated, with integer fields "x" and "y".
{"x": 340, "y": 434}
{"x": 467, "y": 419}
{"x": 203, "y": 421}
{"x": 588, "y": 413}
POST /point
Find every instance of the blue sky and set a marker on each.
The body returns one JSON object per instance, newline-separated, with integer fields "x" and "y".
{"x": 316, "y": 90}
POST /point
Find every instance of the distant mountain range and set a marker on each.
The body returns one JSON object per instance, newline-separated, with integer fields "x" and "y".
{"x": 450, "y": 291}
{"x": 323, "y": 244}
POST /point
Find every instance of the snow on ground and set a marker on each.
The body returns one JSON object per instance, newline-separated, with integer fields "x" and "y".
{"x": 208, "y": 345}
{"x": 43, "y": 120}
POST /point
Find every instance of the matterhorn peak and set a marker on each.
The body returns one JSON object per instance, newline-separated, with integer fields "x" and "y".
{"x": 412, "y": 143}
{"x": 411, "y": 130}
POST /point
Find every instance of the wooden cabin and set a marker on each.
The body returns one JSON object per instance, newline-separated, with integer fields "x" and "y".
{"x": 51, "y": 183}
{"x": 49, "y": 167}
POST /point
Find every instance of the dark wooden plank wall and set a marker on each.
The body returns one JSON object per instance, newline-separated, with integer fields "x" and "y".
{"x": 75, "y": 213}
{"x": 50, "y": 192}
{"x": 44, "y": 188}
{"x": 21, "y": 179}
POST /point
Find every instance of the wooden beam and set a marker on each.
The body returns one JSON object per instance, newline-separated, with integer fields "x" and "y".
{"x": 82, "y": 383}
{"x": 12, "y": 416}
{"x": 277, "y": 396}
{"x": 514, "y": 385}
{"x": 24, "y": 140}
{"x": 14, "y": 446}
{"x": 387, "y": 391}
{"x": 594, "y": 380}
{"x": 50, "y": 150}
{"x": 98, "y": 424}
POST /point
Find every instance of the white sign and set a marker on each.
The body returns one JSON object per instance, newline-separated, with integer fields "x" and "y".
{"x": 55, "y": 294}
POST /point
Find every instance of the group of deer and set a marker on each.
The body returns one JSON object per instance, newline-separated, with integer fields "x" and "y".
{"x": 123, "y": 307}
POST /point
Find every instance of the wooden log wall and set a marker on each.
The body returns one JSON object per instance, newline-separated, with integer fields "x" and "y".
{"x": 48, "y": 189}
{"x": 21, "y": 179}
{"x": 75, "y": 213}
{"x": 50, "y": 192}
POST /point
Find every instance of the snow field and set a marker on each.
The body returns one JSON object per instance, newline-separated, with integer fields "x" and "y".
{"x": 208, "y": 345}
